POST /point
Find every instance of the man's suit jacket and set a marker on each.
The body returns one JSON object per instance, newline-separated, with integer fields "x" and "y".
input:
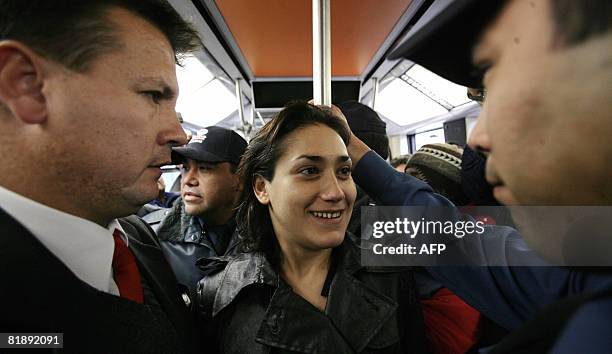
{"x": 38, "y": 293}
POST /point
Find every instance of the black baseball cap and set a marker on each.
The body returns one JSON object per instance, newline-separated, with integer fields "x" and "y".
{"x": 212, "y": 144}
{"x": 442, "y": 40}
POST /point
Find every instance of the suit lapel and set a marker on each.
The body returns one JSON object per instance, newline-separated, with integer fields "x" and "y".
{"x": 30, "y": 270}
{"x": 157, "y": 273}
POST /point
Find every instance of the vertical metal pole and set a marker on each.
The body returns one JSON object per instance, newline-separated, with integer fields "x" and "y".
{"x": 239, "y": 102}
{"x": 321, "y": 52}
{"x": 252, "y": 118}
{"x": 375, "y": 93}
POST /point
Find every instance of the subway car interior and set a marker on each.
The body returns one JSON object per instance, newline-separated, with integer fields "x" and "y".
{"x": 258, "y": 56}
{"x": 263, "y": 221}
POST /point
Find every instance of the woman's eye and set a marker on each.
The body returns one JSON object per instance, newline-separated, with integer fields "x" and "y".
{"x": 345, "y": 171}
{"x": 155, "y": 96}
{"x": 309, "y": 171}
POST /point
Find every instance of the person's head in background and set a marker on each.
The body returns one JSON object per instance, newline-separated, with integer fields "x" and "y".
{"x": 367, "y": 125}
{"x": 399, "y": 163}
{"x": 89, "y": 104}
{"x": 298, "y": 191}
{"x": 439, "y": 165}
{"x": 210, "y": 187}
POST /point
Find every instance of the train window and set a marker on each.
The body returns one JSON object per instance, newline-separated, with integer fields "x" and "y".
{"x": 427, "y": 94}
{"x": 404, "y": 144}
{"x": 439, "y": 87}
{"x": 404, "y": 104}
{"x": 170, "y": 177}
{"x": 429, "y": 137}
{"x": 203, "y": 99}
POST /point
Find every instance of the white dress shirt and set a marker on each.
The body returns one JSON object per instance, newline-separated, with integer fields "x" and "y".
{"x": 83, "y": 246}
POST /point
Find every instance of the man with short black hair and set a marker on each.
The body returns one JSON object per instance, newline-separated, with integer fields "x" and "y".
{"x": 545, "y": 127}
{"x": 201, "y": 224}
{"x": 87, "y": 90}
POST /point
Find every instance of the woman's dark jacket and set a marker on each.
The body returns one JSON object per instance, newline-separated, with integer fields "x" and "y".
{"x": 369, "y": 310}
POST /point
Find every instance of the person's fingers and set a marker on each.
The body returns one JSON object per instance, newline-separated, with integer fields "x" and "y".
{"x": 333, "y": 110}
{"x": 336, "y": 112}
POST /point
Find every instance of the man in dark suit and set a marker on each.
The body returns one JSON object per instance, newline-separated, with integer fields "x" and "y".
{"x": 87, "y": 96}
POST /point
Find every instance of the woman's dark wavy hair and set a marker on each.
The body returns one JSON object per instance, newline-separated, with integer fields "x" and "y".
{"x": 260, "y": 158}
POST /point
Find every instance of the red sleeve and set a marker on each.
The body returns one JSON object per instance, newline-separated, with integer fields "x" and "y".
{"x": 451, "y": 324}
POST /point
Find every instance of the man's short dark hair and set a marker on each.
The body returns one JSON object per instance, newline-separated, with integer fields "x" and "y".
{"x": 74, "y": 32}
{"x": 576, "y": 21}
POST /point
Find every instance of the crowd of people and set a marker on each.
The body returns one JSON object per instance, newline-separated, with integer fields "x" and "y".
{"x": 261, "y": 251}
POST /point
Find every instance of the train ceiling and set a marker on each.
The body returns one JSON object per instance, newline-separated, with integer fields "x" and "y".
{"x": 275, "y": 36}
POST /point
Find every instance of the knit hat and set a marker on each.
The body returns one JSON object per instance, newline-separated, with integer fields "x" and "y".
{"x": 367, "y": 126}
{"x": 439, "y": 165}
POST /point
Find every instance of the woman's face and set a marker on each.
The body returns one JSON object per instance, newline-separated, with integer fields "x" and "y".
{"x": 312, "y": 193}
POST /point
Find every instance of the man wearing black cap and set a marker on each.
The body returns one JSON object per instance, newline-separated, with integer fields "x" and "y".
{"x": 202, "y": 223}
{"x": 545, "y": 126}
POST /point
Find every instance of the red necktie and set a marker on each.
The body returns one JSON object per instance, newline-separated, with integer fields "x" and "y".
{"x": 125, "y": 271}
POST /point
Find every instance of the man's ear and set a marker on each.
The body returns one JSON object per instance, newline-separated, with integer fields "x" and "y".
{"x": 261, "y": 190}
{"x": 21, "y": 82}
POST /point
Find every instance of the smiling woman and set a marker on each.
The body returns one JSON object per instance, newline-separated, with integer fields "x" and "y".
{"x": 297, "y": 157}
{"x": 299, "y": 287}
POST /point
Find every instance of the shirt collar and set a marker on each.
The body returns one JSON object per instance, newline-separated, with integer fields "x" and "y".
{"x": 83, "y": 246}
{"x": 115, "y": 225}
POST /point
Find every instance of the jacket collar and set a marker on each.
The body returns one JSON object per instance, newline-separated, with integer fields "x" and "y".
{"x": 348, "y": 256}
{"x": 154, "y": 268}
{"x": 241, "y": 271}
{"x": 171, "y": 226}
{"x": 178, "y": 226}
{"x": 26, "y": 259}
{"x": 347, "y": 295}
